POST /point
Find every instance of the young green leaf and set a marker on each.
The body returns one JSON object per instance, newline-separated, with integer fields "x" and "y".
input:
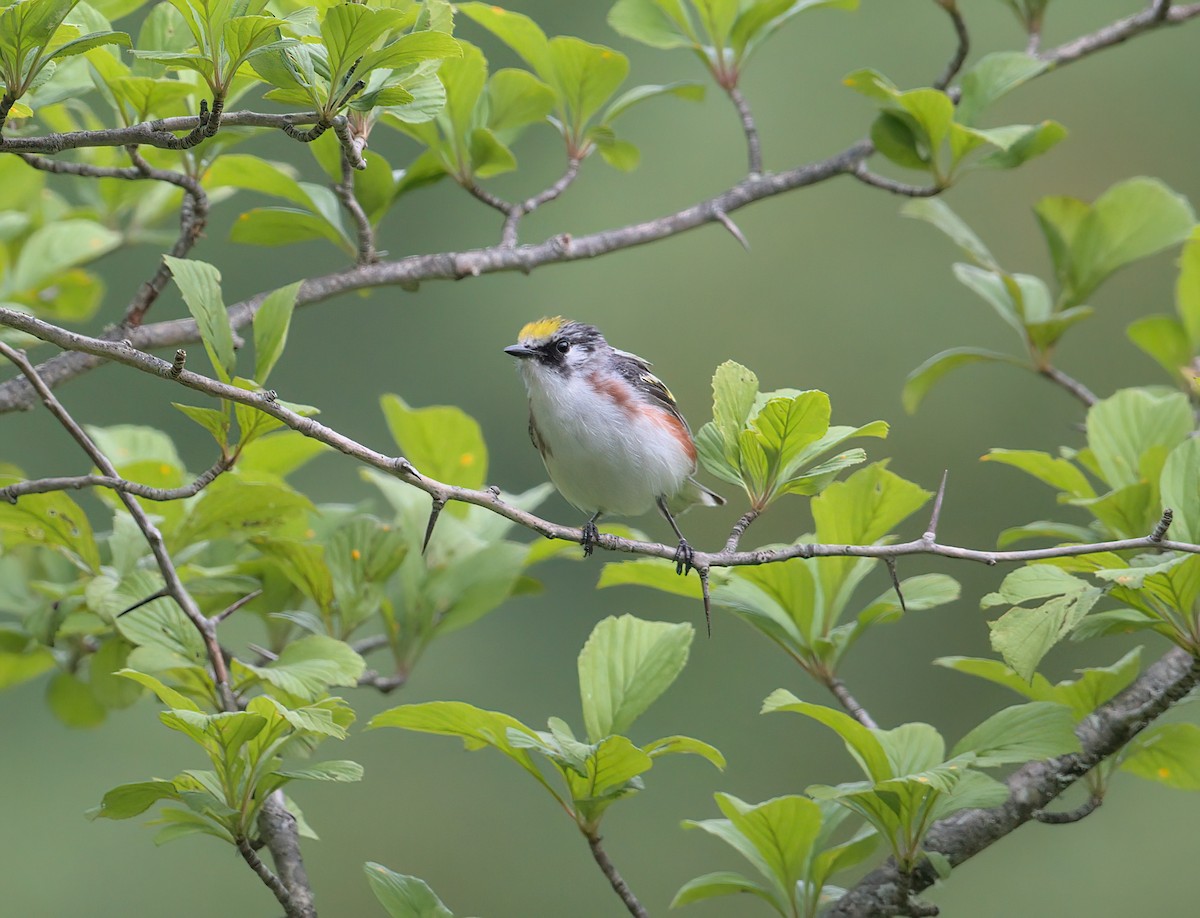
{"x": 624, "y": 667}
{"x": 200, "y": 284}
{"x": 403, "y": 896}
{"x": 441, "y": 441}
{"x": 270, "y": 329}
{"x": 1018, "y": 734}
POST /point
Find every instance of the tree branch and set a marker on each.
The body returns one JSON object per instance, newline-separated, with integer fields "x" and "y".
{"x": 1070, "y": 383}
{"x": 962, "y": 49}
{"x": 749, "y": 128}
{"x": 362, "y": 225}
{"x": 1066, "y": 817}
{"x": 277, "y": 827}
{"x": 490, "y": 499}
{"x": 272, "y": 882}
{"x": 867, "y": 177}
{"x": 620, "y": 887}
{"x": 966, "y": 833}
{"x": 849, "y": 702}
{"x": 1122, "y": 30}
{"x": 77, "y": 482}
{"x": 166, "y": 566}
{"x": 508, "y": 236}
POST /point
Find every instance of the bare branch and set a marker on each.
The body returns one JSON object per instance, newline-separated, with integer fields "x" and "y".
{"x": 368, "y": 644}
{"x": 962, "y": 49}
{"x": 479, "y": 192}
{"x": 749, "y": 128}
{"x": 277, "y": 827}
{"x": 1033, "y": 786}
{"x": 234, "y": 606}
{"x": 620, "y": 887}
{"x": 490, "y": 500}
{"x": 153, "y": 537}
{"x": 362, "y": 225}
{"x": 508, "y": 236}
{"x": 1122, "y": 30}
{"x": 1082, "y": 811}
{"x": 78, "y": 482}
{"x": 867, "y": 177}
{"x": 1072, "y": 385}
{"x": 849, "y": 702}
{"x": 740, "y": 527}
{"x": 272, "y": 882}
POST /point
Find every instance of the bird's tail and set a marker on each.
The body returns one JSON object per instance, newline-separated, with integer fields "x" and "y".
{"x": 694, "y": 494}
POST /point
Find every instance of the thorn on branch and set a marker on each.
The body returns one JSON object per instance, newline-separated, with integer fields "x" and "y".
{"x": 891, "y": 566}
{"x": 734, "y": 230}
{"x": 233, "y": 607}
{"x": 1160, "y": 528}
{"x": 931, "y": 533}
{"x": 158, "y": 594}
{"x": 403, "y": 468}
{"x": 178, "y": 363}
{"x": 439, "y": 504}
{"x": 707, "y": 597}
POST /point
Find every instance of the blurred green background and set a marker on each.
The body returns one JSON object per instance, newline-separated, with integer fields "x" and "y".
{"x": 838, "y": 292}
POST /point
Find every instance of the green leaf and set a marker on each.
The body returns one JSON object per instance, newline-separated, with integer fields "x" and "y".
{"x": 71, "y": 700}
{"x": 1165, "y": 340}
{"x": 1056, "y": 472}
{"x": 233, "y": 508}
{"x": 1125, "y": 426}
{"x": 271, "y": 323}
{"x": 861, "y": 743}
{"x": 657, "y": 24}
{"x": 1023, "y": 636}
{"x": 51, "y": 520}
{"x": 274, "y": 226}
{"x": 488, "y": 155}
{"x": 165, "y": 693}
{"x": 108, "y": 660}
{"x": 308, "y": 667}
{"x": 22, "y": 658}
{"x": 1180, "y": 488}
{"x": 783, "y": 831}
{"x": 410, "y": 50}
{"x": 1020, "y": 143}
{"x": 1187, "y": 290}
{"x": 938, "y": 212}
{"x": 788, "y": 425}
{"x": 200, "y": 284}
{"x": 349, "y": 30}
{"x": 214, "y": 421}
{"x": 923, "y": 378}
{"x": 718, "y": 883}
{"x": 1038, "y": 730}
{"x": 403, "y": 896}
{"x": 684, "y": 90}
{"x": 992, "y": 77}
{"x": 339, "y": 770}
{"x": 586, "y": 76}
{"x": 647, "y": 572}
{"x": 517, "y": 31}
{"x": 684, "y": 745}
{"x": 897, "y": 141}
{"x": 476, "y": 727}
{"x": 443, "y": 442}
{"x": 517, "y": 99}
{"x": 624, "y": 667}
{"x": 128, "y": 800}
{"x": 52, "y": 249}
{"x": 1168, "y": 754}
{"x": 759, "y": 20}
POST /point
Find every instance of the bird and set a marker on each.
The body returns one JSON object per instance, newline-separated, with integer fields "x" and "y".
{"x": 608, "y": 430}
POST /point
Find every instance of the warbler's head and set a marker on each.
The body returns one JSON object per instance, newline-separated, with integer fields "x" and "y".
{"x": 557, "y": 345}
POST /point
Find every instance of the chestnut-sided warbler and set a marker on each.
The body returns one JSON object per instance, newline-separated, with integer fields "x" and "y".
{"x": 608, "y": 429}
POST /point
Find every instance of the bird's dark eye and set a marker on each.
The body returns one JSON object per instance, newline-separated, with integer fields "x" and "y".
{"x": 562, "y": 346}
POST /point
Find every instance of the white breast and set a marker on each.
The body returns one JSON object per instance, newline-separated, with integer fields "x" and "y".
{"x": 598, "y": 456}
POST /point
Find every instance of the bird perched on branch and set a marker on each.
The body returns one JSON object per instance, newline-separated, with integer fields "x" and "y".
{"x": 608, "y": 430}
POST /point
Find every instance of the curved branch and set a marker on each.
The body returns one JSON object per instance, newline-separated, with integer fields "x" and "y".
{"x": 962, "y": 49}
{"x": 1033, "y": 786}
{"x": 749, "y": 128}
{"x": 509, "y": 234}
{"x": 78, "y": 482}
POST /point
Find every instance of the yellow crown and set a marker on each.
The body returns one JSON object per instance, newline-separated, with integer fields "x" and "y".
{"x": 542, "y": 328}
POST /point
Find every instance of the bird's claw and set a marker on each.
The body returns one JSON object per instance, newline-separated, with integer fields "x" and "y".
{"x": 684, "y": 555}
{"x": 591, "y": 537}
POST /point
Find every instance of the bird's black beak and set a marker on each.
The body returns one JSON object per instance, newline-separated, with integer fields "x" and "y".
{"x": 519, "y": 350}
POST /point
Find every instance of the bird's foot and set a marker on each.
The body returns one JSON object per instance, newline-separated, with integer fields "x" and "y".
{"x": 684, "y": 555}
{"x": 591, "y": 537}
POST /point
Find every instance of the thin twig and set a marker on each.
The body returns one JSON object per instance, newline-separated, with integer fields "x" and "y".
{"x": 867, "y": 177}
{"x": 749, "y": 128}
{"x": 620, "y": 887}
{"x": 344, "y": 189}
{"x": 1082, "y": 811}
{"x": 11, "y": 492}
{"x": 1072, "y": 385}
{"x": 165, "y": 565}
{"x": 838, "y": 688}
{"x": 508, "y": 236}
{"x": 487, "y": 498}
{"x": 368, "y": 644}
{"x": 234, "y": 606}
{"x": 479, "y": 192}
{"x": 384, "y": 684}
{"x": 961, "y": 50}
{"x": 272, "y": 882}
{"x": 1116, "y": 32}
{"x": 740, "y": 527}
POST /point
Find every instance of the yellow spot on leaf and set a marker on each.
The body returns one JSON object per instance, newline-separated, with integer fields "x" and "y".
{"x": 923, "y": 780}
{"x": 164, "y": 469}
{"x": 310, "y": 533}
{"x": 355, "y": 554}
{"x": 499, "y": 11}
{"x": 466, "y": 459}
{"x": 1164, "y": 773}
